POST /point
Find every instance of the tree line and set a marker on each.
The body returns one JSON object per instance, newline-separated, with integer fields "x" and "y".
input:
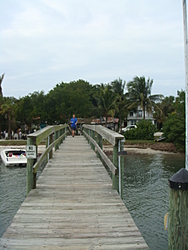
{"x": 114, "y": 99}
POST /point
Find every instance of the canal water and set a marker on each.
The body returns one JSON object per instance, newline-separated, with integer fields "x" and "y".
{"x": 145, "y": 193}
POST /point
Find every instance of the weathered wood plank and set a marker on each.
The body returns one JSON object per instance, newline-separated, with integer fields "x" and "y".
{"x": 73, "y": 207}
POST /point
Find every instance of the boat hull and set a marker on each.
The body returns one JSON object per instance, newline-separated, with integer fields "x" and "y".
{"x": 14, "y": 157}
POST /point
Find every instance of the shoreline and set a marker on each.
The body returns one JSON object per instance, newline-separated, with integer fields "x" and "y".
{"x": 131, "y": 149}
{"x": 162, "y": 148}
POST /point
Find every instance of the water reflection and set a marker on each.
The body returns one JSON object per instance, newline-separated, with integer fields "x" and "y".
{"x": 145, "y": 193}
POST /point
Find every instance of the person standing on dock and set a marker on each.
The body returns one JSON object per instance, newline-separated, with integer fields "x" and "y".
{"x": 73, "y": 122}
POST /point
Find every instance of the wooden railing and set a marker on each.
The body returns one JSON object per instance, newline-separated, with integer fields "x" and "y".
{"x": 95, "y": 135}
{"x": 52, "y": 136}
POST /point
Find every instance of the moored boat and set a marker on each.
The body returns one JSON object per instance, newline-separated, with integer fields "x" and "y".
{"x": 14, "y": 157}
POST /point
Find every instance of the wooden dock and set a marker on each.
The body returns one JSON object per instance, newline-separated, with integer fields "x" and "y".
{"x": 73, "y": 207}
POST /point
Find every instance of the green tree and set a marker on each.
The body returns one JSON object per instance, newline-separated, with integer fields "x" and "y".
{"x": 106, "y": 101}
{"x": 68, "y": 98}
{"x": 121, "y": 102}
{"x": 174, "y": 125}
{"x": 31, "y": 107}
{"x": 145, "y": 131}
{"x": 8, "y": 110}
{"x": 94, "y": 96}
{"x": 80, "y": 99}
{"x": 140, "y": 94}
{"x": 24, "y": 111}
{"x": 165, "y": 108}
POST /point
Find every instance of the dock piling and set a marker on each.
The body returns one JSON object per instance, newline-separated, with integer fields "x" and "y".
{"x": 178, "y": 211}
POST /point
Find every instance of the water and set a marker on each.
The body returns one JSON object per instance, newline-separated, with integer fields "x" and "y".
{"x": 12, "y": 193}
{"x": 145, "y": 193}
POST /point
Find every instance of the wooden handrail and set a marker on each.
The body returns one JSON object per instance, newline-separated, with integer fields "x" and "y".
{"x": 102, "y": 154}
{"x": 41, "y": 158}
{"x": 42, "y": 134}
{"x": 35, "y": 139}
{"x": 117, "y": 141}
{"x": 111, "y": 136}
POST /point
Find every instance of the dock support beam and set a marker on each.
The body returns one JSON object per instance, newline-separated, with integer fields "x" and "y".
{"x": 100, "y": 143}
{"x": 31, "y": 177}
{"x": 115, "y": 179}
{"x": 121, "y": 159}
{"x": 178, "y": 211}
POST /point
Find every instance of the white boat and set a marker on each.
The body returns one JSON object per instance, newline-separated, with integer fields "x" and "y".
{"x": 14, "y": 157}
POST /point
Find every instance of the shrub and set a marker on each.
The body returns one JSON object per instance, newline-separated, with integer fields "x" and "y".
{"x": 145, "y": 131}
{"x": 174, "y": 125}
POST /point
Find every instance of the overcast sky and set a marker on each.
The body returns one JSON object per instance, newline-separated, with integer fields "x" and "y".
{"x": 45, "y": 42}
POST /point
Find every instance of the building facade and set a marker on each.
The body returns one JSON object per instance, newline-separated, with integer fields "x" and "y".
{"x": 134, "y": 117}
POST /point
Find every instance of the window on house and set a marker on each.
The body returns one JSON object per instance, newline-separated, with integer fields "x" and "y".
{"x": 131, "y": 113}
{"x": 139, "y": 113}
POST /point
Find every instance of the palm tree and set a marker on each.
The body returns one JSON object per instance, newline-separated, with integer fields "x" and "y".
{"x": 106, "y": 101}
{"x": 1, "y": 79}
{"x": 140, "y": 94}
{"x": 167, "y": 107}
{"x": 118, "y": 87}
{"x": 8, "y": 109}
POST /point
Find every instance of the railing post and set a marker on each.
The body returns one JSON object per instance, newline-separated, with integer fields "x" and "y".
{"x": 178, "y": 211}
{"x": 57, "y": 135}
{"x": 90, "y": 136}
{"x": 83, "y": 131}
{"x": 31, "y": 177}
{"x": 100, "y": 143}
{"x": 47, "y": 144}
{"x": 62, "y": 132}
{"x": 121, "y": 165}
{"x": 93, "y": 137}
{"x": 87, "y": 131}
{"x": 51, "y": 152}
{"x": 115, "y": 180}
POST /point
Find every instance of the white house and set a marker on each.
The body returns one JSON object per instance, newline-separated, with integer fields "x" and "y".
{"x": 134, "y": 117}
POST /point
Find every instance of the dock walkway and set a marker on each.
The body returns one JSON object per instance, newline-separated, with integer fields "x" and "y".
{"x": 73, "y": 207}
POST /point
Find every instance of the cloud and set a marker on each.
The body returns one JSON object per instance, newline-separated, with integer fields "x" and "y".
{"x": 44, "y": 42}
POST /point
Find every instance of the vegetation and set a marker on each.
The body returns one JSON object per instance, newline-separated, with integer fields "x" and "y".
{"x": 1, "y": 80}
{"x": 140, "y": 94}
{"x": 132, "y": 142}
{"x": 174, "y": 124}
{"x": 14, "y": 142}
{"x": 106, "y": 101}
{"x": 121, "y": 100}
{"x": 167, "y": 107}
{"x": 145, "y": 131}
{"x": 98, "y": 101}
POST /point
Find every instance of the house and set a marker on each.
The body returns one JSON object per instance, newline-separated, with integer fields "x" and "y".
{"x": 134, "y": 117}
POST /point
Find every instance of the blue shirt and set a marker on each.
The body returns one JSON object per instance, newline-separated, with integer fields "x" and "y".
{"x": 73, "y": 122}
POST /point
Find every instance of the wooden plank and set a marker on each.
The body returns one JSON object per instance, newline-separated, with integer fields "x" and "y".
{"x": 73, "y": 207}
